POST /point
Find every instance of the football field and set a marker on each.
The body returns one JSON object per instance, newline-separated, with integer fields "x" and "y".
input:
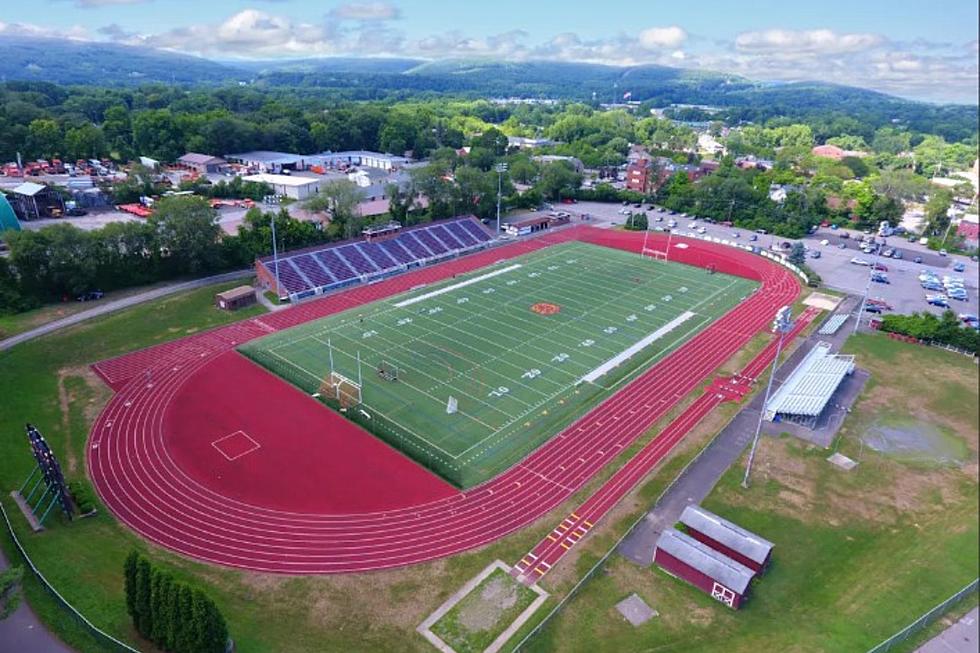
{"x": 469, "y": 375}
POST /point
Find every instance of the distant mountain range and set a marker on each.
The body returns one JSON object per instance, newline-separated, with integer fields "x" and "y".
{"x": 93, "y": 63}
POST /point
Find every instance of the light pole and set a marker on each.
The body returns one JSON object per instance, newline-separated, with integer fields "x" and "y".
{"x": 783, "y": 324}
{"x": 867, "y": 287}
{"x": 501, "y": 168}
{"x": 275, "y": 256}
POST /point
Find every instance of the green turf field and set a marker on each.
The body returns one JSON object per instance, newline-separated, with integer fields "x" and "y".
{"x": 517, "y": 375}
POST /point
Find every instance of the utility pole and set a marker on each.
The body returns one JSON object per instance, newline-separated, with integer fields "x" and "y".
{"x": 782, "y": 325}
{"x": 501, "y": 168}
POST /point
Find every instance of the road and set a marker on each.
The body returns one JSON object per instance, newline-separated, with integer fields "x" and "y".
{"x": 21, "y": 632}
{"x": 119, "y": 304}
{"x": 961, "y": 637}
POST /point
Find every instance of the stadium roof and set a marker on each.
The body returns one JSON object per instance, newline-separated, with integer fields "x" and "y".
{"x": 733, "y": 575}
{"x": 731, "y": 535}
{"x": 810, "y": 386}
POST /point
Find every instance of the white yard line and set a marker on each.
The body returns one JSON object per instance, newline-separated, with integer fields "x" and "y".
{"x": 461, "y": 284}
{"x": 636, "y": 347}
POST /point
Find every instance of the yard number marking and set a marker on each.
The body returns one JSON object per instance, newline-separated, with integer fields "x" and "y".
{"x": 588, "y": 342}
{"x": 499, "y": 392}
{"x": 649, "y": 307}
{"x": 531, "y": 373}
{"x": 667, "y": 298}
{"x": 631, "y": 317}
{"x": 559, "y": 358}
{"x": 489, "y": 291}
{"x": 404, "y": 321}
{"x": 433, "y": 311}
{"x": 609, "y": 330}
{"x": 368, "y": 334}
{"x": 462, "y": 300}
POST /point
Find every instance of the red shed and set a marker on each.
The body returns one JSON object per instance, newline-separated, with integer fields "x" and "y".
{"x": 715, "y": 573}
{"x": 731, "y": 539}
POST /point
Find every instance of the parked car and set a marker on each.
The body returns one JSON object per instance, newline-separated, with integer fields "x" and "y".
{"x": 897, "y": 254}
{"x": 702, "y": 230}
{"x": 959, "y": 267}
{"x": 879, "y": 267}
{"x": 815, "y": 254}
{"x": 937, "y": 300}
{"x": 824, "y": 242}
{"x": 736, "y": 235}
{"x": 958, "y": 294}
{"x": 942, "y": 252}
{"x": 76, "y": 212}
{"x": 844, "y": 234}
{"x": 91, "y": 295}
{"x": 842, "y": 246}
{"x": 873, "y": 308}
{"x": 880, "y": 278}
{"x": 834, "y": 228}
{"x": 753, "y": 237}
{"x": 859, "y": 261}
{"x": 917, "y": 259}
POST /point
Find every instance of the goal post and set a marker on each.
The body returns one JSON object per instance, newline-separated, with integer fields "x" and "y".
{"x": 344, "y": 391}
{"x": 655, "y": 254}
{"x": 388, "y": 371}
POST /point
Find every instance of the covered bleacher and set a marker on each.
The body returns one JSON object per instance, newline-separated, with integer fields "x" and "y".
{"x": 807, "y": 391}
{"x": 313, "y": 271}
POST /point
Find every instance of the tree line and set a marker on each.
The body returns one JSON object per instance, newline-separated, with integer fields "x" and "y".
{"x": 946, "y": 330}
{"x": 173, "y": 615}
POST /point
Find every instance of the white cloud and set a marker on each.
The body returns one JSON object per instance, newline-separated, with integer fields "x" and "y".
{"x": 817, "y": 41}
{"x": 656, "y": 38}
{"x": 29, "y": 30}
{"x": 365, "y": 11}
{"x": 95, "y": 4}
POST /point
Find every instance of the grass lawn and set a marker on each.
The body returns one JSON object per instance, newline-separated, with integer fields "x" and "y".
{"x": 858, "y": 554}
{"x": 11, "y": 325}
{"x": 483, "y": 614}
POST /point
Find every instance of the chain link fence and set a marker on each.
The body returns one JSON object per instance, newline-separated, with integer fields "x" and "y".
{"x": 109, "y": 642}
{"x": 926, "y": 619}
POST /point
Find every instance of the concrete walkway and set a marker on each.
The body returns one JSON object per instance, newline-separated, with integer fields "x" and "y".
{"x": 119, "y": 304}
{"x": 961, "y": 637}
{"x": 268, "y": 303}
{"x": 21, "y": 632}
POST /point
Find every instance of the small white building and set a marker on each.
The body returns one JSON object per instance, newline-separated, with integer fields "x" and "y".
{"x": 297, "y": 188}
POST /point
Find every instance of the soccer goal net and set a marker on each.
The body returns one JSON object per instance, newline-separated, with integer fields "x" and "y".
{"x": 388, "y": 371}
{"x": 345, "y": 391}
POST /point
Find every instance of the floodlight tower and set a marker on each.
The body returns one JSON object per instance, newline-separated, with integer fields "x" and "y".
{"x": 275, "y": 250}
{"x": 501, "y": 168}
{"x": 872, "y": 271}
{"x": 782, "y": 325}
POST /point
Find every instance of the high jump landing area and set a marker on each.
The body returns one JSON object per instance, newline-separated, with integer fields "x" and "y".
{"x": 208, "y": 455}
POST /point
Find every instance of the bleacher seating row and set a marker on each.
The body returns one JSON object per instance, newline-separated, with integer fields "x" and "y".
{"x": 309, "y": 272}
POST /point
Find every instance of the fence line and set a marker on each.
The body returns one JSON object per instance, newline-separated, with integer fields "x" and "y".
{"x": 94, "y": 630}
{"x": 925, "y": 619}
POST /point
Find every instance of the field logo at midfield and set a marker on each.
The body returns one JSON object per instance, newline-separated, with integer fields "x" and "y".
{"x": 544, "y": 308}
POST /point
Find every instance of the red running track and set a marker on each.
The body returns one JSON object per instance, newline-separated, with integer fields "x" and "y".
{"x": 143, "y": 450}
{"x": 539, "y": 561}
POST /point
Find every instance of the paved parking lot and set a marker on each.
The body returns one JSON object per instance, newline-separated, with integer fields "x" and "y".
{"x": 904, "y": 293}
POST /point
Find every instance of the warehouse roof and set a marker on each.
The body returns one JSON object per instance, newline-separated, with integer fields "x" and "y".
{"x": 265, "y": 156}
{"x": 717, "y": 566}
{"x": 812, "y": 383}
{"x": 281, "y": 180}
{"x": 731, "y": 535}
{"x": 193, "y": 158}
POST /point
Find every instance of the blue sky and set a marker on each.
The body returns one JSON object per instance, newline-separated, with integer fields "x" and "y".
{"x": 924, "y": 50}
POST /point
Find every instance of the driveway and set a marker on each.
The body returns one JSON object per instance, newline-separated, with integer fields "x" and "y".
{"x": 21, "y": 632}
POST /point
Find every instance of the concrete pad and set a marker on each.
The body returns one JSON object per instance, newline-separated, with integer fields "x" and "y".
{"x": 635, "y": 610}
{"x": 842, "y": 461}
{"x": 961, "y": 637}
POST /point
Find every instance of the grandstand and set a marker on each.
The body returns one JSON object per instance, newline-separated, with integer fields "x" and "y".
{"x": 807, "y": 391}
{"x": 313, "y": 271}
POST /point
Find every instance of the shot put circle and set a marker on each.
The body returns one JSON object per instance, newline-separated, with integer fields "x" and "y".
{"x": 544, "y": 308}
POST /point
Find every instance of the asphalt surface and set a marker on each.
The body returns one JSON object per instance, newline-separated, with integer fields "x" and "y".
{"x": 21, "y": 632}
{"x": 119, "y": 304}
{"x": 961, "y": 637}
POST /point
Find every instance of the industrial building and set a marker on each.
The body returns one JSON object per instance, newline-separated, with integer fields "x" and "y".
{"x": 386, "y": 162}
{"x": 202, "y": 163}
{"x": 726, "y": 537}
{"x": 724, "y": 579}
{"x": 807, "y": 391}
{"x": 271, "y": 162}
{"x": 297, "y": 188}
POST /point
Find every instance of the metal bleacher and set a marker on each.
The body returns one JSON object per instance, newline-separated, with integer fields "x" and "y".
{"x": 312, "y": 272}
{"x": 807, "y": 391}
{"x": 833, "y": 324}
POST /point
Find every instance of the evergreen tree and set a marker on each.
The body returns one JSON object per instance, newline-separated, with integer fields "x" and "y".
{"x": 184, "y": 634}
{"x": 132, "y": 561}
{"x": 143, "y": 617}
